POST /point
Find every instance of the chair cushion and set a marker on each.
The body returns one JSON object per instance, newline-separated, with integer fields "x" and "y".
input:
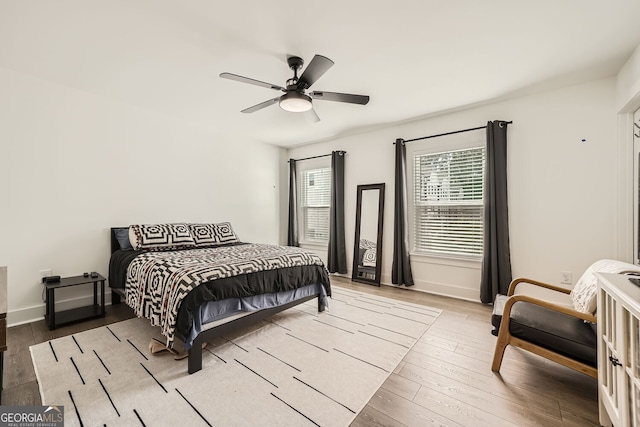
{"x": 549, "y": 329}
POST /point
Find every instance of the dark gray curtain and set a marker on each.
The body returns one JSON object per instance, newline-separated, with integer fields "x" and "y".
{"x": 496, "y": 259}
{"x": 337, "y": 256}
{"x": 292, "y": 235}
{"x": 401, "y": 267}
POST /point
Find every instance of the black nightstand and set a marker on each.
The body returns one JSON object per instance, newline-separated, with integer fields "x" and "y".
{"x": 54, "y": 319}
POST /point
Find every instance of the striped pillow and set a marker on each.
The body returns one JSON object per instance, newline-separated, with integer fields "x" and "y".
{"x": 162, "y": 237}
{"x": 213, "y": 234}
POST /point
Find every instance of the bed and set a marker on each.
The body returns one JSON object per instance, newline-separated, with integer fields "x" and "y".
{"x": 367, "y": 259}
{"x": 199, "y": 281}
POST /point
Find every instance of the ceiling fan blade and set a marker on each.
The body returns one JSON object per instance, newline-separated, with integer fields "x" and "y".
{"x": 312, "y": 116}
{"x": 340, "y": 97}
{"x": 261, "y": 105}
{"x": 242, "y": 79}
{"x": 316, "y": 68}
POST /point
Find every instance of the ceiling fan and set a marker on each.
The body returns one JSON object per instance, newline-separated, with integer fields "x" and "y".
{"x": 295, "y": 99}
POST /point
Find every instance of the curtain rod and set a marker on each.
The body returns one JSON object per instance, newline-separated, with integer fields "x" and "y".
{"x": 451, "y": 133}
{"x": 340, "y": 152}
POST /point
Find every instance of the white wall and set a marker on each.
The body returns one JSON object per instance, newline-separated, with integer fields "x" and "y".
{"x": 628, "y": 83}
{"x": 627, "y": 102}
{"x": 73, "y": 164}
{"x": 563, "y": 205}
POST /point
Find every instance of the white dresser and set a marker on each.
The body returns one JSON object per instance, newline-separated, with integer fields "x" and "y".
{"x": 618, "y": 350}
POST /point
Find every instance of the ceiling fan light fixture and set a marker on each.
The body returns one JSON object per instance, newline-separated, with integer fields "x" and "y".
{"x": 295, "y": 102}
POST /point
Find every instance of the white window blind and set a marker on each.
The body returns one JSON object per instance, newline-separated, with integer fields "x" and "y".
{"x": 448, "y": 202}
{"x": 315, "y": 199}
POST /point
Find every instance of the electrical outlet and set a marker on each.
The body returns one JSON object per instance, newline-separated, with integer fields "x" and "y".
{"x": 566, "y": 278}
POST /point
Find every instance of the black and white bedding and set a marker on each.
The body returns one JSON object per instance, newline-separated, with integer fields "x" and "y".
{"x": 368, "y": 252}
{"x": 181, "y": 288}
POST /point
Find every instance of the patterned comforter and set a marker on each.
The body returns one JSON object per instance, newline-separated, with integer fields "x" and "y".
{"x": 157, "y": 282}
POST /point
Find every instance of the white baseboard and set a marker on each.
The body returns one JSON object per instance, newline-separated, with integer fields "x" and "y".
{"x": 35, "y": 313}
{"x": 442, "y": 289}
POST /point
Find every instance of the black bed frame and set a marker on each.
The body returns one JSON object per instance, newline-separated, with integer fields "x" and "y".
{"x": 195, "y": 353}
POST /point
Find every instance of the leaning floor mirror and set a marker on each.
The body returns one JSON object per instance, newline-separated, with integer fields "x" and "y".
{"x": 367, "y": 248}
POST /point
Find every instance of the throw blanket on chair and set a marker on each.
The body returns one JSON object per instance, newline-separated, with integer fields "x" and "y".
{"x": 584, "y": 294}
{"x": 157, "y": 282}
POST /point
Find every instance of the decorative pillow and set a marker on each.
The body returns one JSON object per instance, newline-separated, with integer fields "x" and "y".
{"x": 367, "y": 244}
{"x": 213, "y": 234}
{"x": 368, "y": 253}
{"x": 160, "y": 236}
{"x": 202, "y": 234}
{"x": 584, "y": 294}
{"x": 122, "y": 236}
{"x": 224, "y": 233}
{"x": 369, "y": 258}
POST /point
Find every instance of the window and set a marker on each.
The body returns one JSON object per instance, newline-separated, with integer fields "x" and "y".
{"x": 315, "y": 200}
{"x": 448, "y": 202}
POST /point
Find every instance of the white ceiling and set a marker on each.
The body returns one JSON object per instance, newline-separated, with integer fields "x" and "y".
{"x": 412, "y": 57}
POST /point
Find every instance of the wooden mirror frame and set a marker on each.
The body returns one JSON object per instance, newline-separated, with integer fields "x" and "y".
{"x": 356, "y": 243}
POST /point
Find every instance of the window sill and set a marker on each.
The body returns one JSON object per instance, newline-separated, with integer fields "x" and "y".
{"x": 448, "y": 260}
{"x": 311, "y": 245}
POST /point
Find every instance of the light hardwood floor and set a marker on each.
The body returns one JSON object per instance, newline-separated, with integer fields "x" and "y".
{"x": 444, "y": 380}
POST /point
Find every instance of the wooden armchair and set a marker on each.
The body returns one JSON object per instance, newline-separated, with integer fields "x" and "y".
{"x": 550, "y": 330}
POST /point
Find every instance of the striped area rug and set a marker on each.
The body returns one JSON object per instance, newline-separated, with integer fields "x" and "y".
{"x": 298, "y": 368}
